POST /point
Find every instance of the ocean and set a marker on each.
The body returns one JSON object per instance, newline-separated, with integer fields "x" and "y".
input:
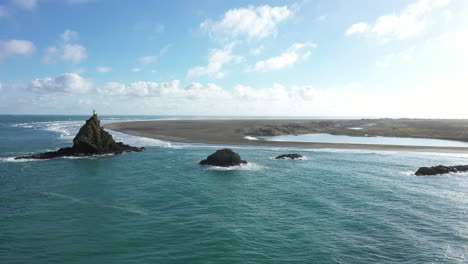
{"x": 160, "y": 206}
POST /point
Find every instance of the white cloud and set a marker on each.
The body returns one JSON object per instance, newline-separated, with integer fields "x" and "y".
{"x": 26, "y": 4}
{"x": 16, "y": 47}
{"x": 168, "y": 90}
{"x": 74, "y": 53}
{"x": 410, "y": 22}
{"x": 67, "y": 83}
{"x": 383, "y": 64}
{"x": 276, "y": 100}
{"x": 164, "y": 49}
{"x": 352, "y": 86}
{"x": 51, "y": 53}
{"x": 256, "y": 51}
{"x": 288, "y": 58}
{"x": 147, "y": 59}
{"x": 103, "y": 69}
{"x": 277, "y": 92}
{"x": 253, "y": 22}
{"x": 67, "y": 52}
{"x": 322, "y": 18}
{"x": 69, "y": 35}
{"x": 456, "y": 42}
{"x": 113, "y": 88}
{"x": 136, "y": 70}
{"x": 216, "y": 60}
{"x": 357, "y": 28}
{"x": 1, "y": 87}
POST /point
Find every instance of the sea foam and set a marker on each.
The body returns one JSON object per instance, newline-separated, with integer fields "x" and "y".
{"x": 250, "y": 166}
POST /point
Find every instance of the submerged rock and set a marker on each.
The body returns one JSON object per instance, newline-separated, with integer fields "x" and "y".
{"x": 289, "y": 156}
{"x": 91, "y": 140}
{"x": 223, "y": 158}
{"x": 437, "y": 170}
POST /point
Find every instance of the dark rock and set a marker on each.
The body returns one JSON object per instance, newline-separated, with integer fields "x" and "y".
{"x": 437, "y": 170}
{"x": 289, "y": 156}
{"x": 223, "y": 158}
{"x": 91, "y": 140}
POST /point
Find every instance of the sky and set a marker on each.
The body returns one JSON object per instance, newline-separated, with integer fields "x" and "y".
{"x": 334, "y": 58}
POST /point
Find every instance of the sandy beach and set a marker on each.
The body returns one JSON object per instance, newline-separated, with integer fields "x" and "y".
{"x": 233, "y": 132}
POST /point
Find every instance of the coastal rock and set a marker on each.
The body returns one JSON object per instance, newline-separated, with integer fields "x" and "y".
{"x": 438, "y": 170}
{"x": 292, "y": 156}
{"x": 91, "y": 140}
{"x": 223, "y": 158}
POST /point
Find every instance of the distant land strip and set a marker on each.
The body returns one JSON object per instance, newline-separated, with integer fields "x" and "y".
{"x": 232, "y": 132}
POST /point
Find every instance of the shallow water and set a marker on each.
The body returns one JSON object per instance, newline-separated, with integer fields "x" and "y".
{"x": 327, "y": 138}
{"x": 159, "y": 206}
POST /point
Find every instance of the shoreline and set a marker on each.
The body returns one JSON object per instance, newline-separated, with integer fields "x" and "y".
{"x": 230, "y": 132}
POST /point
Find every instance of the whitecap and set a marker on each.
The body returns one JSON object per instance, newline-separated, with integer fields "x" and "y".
{"x": 64, "y": 129}
{"x": 287, "y": 159}
{"x": 407, "y": 173}
{"x": 250, "y": 166}
{"x": 12, "y": 159}
{"x": 138, "y": 141}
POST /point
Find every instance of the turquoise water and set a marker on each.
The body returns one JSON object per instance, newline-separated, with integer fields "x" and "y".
{"x": 327, "y": 138}
{"x": 159, "y": 206}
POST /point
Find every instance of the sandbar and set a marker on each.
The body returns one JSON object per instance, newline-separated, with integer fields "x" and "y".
{"x": 233, "y": 131}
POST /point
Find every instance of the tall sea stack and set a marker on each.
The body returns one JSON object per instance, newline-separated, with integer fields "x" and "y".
{"x": 91, "y": 140}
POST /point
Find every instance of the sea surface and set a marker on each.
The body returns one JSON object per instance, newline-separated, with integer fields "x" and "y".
{"x": 160, "y": 206}
{"x": 401, "y": 141}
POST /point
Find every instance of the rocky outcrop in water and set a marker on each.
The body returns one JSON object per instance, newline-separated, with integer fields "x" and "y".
{"x": 223, "y": 158}
{"x": 438, "y": 170}
{"x": 91, "y": 140}
{"x": 289, "y": 156}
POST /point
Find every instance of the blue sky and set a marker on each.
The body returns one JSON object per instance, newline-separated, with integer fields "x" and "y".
{"x": 280, "y": 58}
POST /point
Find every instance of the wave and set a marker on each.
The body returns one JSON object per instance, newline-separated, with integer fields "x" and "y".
{"x": 138, "y": 141}
{"x": 460, "y": 174}
{"x": 64, "y": 129}
{"x": 301, "y": 158}
{"x": 251, "y": 166}
{"x": 12, "y": 159}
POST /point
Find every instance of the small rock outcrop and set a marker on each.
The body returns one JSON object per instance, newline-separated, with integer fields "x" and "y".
{"x": 91, "y": 140}
{"x": 438, "y": 170}
{"x": 223, "y": 158}
{"x": 292, "y": 156}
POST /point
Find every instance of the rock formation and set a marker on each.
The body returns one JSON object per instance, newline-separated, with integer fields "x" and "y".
{"x": 289, "y": 156}
{"x": 91, "y": 140}
{"x": 437, "y": 170}
{"x": 223, "y": 158}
